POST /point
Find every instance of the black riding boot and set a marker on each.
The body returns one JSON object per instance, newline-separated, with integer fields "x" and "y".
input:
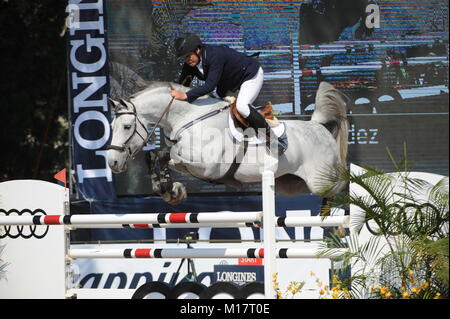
{"x": 257, "y": 121}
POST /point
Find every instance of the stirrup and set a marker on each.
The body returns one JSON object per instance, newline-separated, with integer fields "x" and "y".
{"x": 281, "y": 143}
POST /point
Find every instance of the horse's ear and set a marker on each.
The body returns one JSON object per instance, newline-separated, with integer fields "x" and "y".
{"x": 114, "y": 104}
{"x": 126, "y": 104}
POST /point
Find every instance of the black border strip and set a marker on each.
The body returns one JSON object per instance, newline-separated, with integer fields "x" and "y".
{"x": 281, "y": 221}
{"x": 251, "y": 253}
{"x": 127, "y": 253}
{"x": 282, "y": 253}
{"x": 157, "y": 253}
{"x": 67, "y": 220}
{"x": 193, "y": 217}
{"x": 162, "y": 218}
{"x": 37, "y": 220}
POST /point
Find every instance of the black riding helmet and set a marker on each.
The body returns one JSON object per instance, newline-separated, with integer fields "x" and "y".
{"x": 187, "y": 43}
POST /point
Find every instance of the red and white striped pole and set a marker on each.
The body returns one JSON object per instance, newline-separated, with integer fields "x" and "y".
{"x": 152, "y": 218}
{"x": 163, "y": 253}
{"x": 176, "y": 220}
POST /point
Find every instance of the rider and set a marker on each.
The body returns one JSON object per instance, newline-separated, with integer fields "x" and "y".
{"x": 227, "y": 70}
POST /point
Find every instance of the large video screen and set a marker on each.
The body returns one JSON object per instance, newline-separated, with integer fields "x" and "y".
{"x": 389, "y": 57}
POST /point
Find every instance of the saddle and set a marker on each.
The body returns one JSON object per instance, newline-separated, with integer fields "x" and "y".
{"x": 265, "y": 111}
{"x": 235, "y": 121}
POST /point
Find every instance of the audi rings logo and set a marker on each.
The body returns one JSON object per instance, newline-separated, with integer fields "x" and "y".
{"x": 16, "y": 231}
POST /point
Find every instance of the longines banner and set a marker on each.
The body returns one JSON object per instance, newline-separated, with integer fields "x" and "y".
{"x": 90, "y": 115}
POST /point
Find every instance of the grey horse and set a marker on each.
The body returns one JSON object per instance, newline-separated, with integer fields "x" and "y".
{"x": 202, "y": 146}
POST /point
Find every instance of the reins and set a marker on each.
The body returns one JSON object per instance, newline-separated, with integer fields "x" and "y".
{"x": 157, "y": 123}
{"x": 165, "y": 111}
{"x": 125, "y": 147}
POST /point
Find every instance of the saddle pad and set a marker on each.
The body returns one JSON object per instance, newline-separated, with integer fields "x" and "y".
{"x": 279, "y": 130}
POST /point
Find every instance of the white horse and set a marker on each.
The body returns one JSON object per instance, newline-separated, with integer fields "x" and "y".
{"x": 204, "y": 148}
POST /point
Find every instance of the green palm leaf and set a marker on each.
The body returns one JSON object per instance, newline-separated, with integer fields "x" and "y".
{"x": 408, "y": 247}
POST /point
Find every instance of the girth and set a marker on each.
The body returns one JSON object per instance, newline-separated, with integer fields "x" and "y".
{"x": 228, "y": 177}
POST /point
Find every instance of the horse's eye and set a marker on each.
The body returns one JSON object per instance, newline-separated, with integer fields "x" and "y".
{"x": 127, "y": 127}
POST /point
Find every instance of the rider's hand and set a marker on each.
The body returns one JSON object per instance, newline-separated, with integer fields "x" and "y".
{"x": 178, "y": 95}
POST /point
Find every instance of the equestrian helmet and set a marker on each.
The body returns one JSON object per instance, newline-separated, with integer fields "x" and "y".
{"x": 186, "y": 44}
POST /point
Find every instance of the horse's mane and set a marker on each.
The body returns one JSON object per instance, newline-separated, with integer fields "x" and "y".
{"x": 155, "y": 86}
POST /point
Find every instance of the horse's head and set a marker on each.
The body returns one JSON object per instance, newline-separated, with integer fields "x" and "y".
{"x": 129, "y": 135}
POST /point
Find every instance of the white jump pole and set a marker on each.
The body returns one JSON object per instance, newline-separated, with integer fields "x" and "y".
{"x": 300, "y": 221}
{"x": 252, "y": 219}
{"x": 268, "y": 203}
{"x": 169, "y": 218}
{"x": 165, "y": 253}
{"x": 313, "y": 221}
{"x": 153, "y": 226}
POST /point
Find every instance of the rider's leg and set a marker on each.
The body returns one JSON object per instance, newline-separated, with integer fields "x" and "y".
{"x": 247, "y": 95}
{"x": 260, "y": 125}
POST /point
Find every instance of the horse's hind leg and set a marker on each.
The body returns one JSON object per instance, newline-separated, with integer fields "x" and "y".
{"x": 293, "y": 185}
{"x": 290, "y": 185}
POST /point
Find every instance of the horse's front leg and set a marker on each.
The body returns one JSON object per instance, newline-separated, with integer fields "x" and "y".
{"x": 165, "y": 177}
{"x": 153, "y": 169}
{"x": 172, "y": 192}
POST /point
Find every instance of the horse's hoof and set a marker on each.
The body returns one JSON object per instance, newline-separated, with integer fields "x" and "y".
{"x": 177, "y": 195}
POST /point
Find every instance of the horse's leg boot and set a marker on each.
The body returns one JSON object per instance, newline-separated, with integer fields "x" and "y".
{"x": 153, "y": 169}
{"x": 165, "y": 177}
{"x": 257, "y": 121}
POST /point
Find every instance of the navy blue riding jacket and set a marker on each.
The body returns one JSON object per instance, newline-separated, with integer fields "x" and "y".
{"x": 224, "y": 68}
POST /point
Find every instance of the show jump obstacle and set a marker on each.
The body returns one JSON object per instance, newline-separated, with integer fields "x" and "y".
{"x": 35, "y": 224}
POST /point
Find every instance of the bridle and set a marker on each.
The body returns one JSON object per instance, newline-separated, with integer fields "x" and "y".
{"x": 125, "y": 146}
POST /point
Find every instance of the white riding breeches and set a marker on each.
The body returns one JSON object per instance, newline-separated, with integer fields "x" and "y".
{"x": 249, "y": 92}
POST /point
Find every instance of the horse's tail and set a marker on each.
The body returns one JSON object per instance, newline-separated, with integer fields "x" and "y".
{"x": 330, "y": 111}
